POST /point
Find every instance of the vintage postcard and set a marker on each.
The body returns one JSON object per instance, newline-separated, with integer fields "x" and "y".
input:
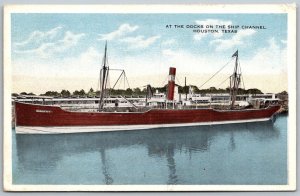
{"x": 150, "y": 97}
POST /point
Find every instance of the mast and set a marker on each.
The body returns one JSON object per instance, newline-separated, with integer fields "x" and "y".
{"x": 235, "y": 79}
{"x": 103, "y": 78}
{"x": 149, "y": 93}
{"x": 185, "y": 90}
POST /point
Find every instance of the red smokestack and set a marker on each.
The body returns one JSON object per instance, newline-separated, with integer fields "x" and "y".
{"x": 171, "y": 84}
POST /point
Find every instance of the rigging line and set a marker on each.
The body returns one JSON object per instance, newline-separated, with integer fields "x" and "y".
{"x": 109, "y": 89}
{"x": 117, "y": 69}
{"x": 118, "y": 79}
{"x": 119, "y": 85}
{"x": 242, "y": 78}
{"x": 176, "y": 78}
{"x": 223, "y": 82}
{"x": 165, "y": 81}
{"x": 126, "y": 80}
{"x": 98, "y": 84}
{"x": 216, "y": 73}
{"x": 243, "y": 82}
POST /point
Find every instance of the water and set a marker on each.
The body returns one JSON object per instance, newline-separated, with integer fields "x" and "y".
{"x": 249, "y": 153}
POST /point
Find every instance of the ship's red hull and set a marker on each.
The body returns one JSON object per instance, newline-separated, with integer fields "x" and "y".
{"x": 52, "y": 116}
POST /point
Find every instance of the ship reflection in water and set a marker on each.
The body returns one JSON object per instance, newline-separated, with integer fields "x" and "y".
{"x": 249, "y": 153}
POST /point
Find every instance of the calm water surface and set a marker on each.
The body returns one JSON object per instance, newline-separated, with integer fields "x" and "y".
{"x": 249, "y": 153}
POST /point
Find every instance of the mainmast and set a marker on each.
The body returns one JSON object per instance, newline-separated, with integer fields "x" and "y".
{"x": 235, "y": 79}
{"x": 103, "y": 78}
{"x": 185, "y": 88}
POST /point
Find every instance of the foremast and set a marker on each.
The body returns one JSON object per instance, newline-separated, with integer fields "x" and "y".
{"x": 235, "y": 80}
{"x": 103, "y": 78}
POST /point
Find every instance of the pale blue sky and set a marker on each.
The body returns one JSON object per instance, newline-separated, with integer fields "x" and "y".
{"x": 148, "y": 25}
{"x": 45, "y": 44}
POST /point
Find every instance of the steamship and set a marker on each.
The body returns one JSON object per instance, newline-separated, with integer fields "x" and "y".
{"x": 33, "y": 118}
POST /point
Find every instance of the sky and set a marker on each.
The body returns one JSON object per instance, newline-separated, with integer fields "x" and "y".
{"x": 65, "y": 51}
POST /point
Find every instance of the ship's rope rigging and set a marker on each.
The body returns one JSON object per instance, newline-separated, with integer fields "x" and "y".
{"x": 104, "y": 80}
{"x": 242, "y": 79}
{"x": 216, "y": 73}
{"x": 176, "y": 78}
{"x": 121, "y": 77}
{"x": 165, "y": 81}
{"x": 178, "y": 82}
{"x": 223, "y": 82}
{"x": 118, "y": 81}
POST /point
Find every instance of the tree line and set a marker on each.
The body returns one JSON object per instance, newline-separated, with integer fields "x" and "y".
{"x": 142, "y": 91}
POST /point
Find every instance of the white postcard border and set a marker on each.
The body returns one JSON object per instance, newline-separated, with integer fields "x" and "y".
{"x": 290, "y": 9}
